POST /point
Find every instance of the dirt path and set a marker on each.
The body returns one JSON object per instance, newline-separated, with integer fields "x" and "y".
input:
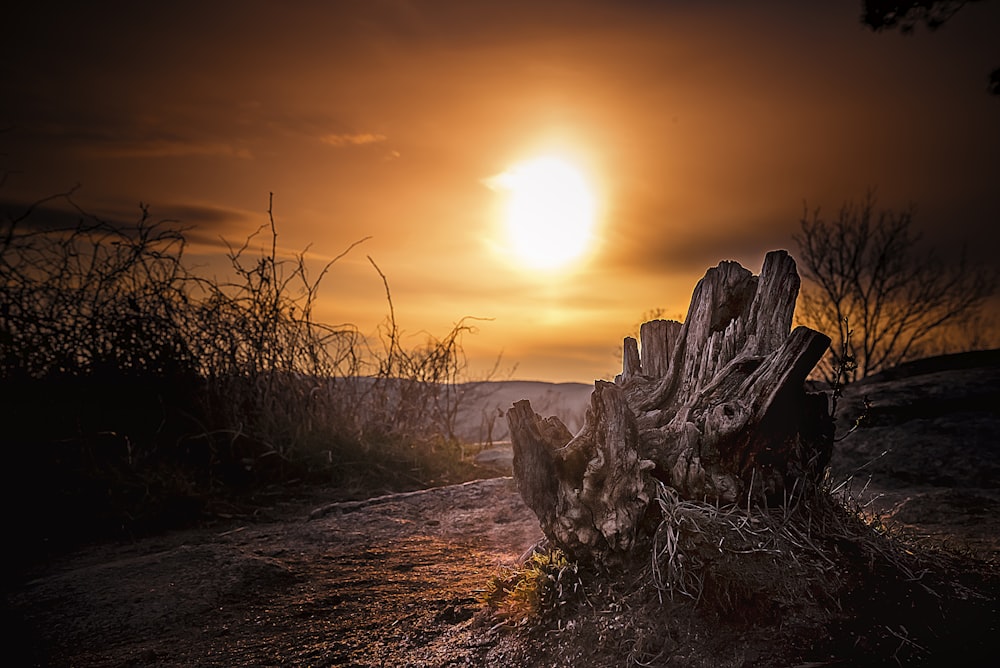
{"x": 390, "y": 582}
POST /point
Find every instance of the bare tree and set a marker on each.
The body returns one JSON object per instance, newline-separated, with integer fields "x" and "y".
{"x": 872, "y": 291}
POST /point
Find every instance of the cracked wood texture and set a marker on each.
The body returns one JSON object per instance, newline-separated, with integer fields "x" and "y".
{"x": 714, "y": 408}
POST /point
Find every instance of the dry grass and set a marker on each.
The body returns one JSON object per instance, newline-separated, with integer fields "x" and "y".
{"x": 817, "y": 579}
{"x": 130, "y": 381}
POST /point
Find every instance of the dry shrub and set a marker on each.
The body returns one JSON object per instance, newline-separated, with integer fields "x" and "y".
{"x": 129, "y": 379}
{"x": 92, "y": 297}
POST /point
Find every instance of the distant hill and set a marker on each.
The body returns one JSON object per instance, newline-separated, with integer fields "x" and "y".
{"x": 936, "y": 419}
{"x": 488, "y": 402}
{"x": 932, "y": 421}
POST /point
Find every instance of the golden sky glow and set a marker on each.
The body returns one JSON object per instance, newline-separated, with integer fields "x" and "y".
{"x": 549, "y": 212}
{"x": 698, "y": 129}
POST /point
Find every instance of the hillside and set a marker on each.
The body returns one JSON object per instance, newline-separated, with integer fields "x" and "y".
{"x": 487, "y": 401}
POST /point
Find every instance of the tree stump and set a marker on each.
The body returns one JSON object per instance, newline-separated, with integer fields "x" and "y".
{"x": 714, "y": 408}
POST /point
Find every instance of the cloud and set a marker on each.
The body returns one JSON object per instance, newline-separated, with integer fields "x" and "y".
{"x": 171, "y": 148}
{"x": 174, "y": 148}
{"x": 47, "y": 215}
{"x": 203, "y": 226}
{"x": 353, "y": 139}
{"x": 675, "y": 231}
{"x": 117, "y": 138}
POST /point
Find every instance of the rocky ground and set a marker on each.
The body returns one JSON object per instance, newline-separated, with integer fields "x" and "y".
{"x": 390, "y": 581}
{"x": 396, "y": 580}
{"x": 927, "y": 453}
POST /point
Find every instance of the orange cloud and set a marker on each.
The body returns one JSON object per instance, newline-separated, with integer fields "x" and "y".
{"x": 353, "y": 139}
{"x": 171, "y": 149}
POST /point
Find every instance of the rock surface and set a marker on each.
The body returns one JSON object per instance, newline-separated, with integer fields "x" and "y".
{"x": 395, "y": 580}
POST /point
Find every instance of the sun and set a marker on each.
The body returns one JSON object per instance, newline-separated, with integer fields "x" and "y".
{"x": 550, "y": 211}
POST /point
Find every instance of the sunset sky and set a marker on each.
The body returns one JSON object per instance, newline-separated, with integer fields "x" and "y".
{"x": 698, "y": 131}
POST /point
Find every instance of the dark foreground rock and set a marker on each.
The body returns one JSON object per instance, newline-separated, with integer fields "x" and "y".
{"x": 928, "y": 453}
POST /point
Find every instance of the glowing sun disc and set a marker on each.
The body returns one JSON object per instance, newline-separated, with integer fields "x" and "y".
{"x": 550, "y": 211}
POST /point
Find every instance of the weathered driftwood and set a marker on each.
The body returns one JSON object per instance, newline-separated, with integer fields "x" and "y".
{"x": 714, "y": 408}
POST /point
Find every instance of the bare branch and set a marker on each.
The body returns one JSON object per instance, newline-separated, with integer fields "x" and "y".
{"x": 863, "y": 267}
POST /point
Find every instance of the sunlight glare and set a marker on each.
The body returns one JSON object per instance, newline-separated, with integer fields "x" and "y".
{"x": 550, "y": 212}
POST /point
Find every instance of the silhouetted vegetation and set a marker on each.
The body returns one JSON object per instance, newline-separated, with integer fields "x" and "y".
{"x": 138, "y": 394}
{"x": 878, "y": 298}
{"x": 891, "y": 14}
{"x": 882, "y": 15}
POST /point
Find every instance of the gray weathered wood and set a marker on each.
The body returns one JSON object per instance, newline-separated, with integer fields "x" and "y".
{"x": 713, "y": 407}
{"x": 630, "y": 359}
{"x": 658, "y": 339}
{"x": 589, "y": 491}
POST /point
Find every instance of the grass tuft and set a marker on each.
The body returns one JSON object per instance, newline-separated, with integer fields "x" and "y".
{"x": 544, "y": 582}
